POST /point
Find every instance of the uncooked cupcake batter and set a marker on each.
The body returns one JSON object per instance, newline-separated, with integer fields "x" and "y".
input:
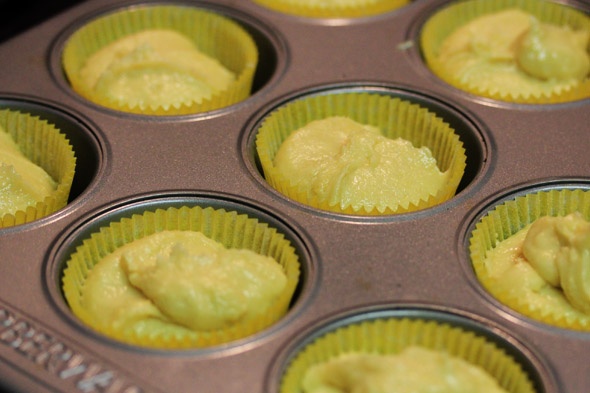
{"x": 546, "y": 265}
{"x": 413, "y": 370}
{"x": 178, "y": 280}
{"x": 512, "y": 52}
{"x": 347, "y": 163}
{"x": 154, "y": 68}
{"x": 22, "y": 183}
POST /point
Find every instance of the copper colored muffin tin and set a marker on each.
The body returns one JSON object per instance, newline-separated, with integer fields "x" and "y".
{"x": 409, "y": 265}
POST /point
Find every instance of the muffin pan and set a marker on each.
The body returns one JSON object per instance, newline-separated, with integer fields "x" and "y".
{"x": 413, "y": 265}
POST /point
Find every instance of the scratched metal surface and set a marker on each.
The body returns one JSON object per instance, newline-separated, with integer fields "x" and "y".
{"x": 412, "y": 264}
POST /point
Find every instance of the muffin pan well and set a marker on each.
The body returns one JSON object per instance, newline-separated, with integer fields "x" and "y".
{"x": 87, "y": 148}
{"x": 507, "y": 216}
{"x": 386, "y": 330}
{"x": 470, "y": 141}
{"x": 219, "y": 218}
{"x": 412, "y": 265}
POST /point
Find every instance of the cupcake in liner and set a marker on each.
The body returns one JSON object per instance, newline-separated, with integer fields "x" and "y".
{"x": 333, "y": 8}
{"x": 479, "y": 76}
{"x": 183, "y": 82}
{"x": 546, "y": 304}
{"x": 394, "y": 117}
{"x": 231, "y": 229}
{"x": 390, "y": 336}
{"x": 48, "y": 148}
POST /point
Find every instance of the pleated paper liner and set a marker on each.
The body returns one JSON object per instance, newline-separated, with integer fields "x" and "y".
{"x": 508, "y": 218}
{"x": 44, "y": 145}
{"x": 395, "y": 118}
{"x": 334, "y": 8}
{"x": 213, "y": 34}
{"x": 440, "y": 25}
{"x": 230, "y": 228}
{"x": 390, "y": 336}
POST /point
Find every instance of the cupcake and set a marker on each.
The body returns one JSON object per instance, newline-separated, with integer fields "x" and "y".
{"x": 386, "y": 156}
{"x": 188, "y": 277}
{"x": 531, "y": 254}
{"x": 333, "y": 8}
{"x": 161, "y": 60}
{"x": 37, "y": 166}
{"x": 522, "y": 51}
{"x": 412, "y": 354}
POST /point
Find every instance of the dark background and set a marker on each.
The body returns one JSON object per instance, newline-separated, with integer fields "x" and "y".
{"x": 20, "y": 15}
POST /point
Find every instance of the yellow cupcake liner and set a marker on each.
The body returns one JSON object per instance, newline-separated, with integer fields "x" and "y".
{"x": 45, "y": 145}
{"x": 459, "y": 13}
{"x": 393, "y": 116}
{"x": 213, "y": 34}
{"x": 230, "y": 228}
{"x": 507, "y": 219}
{"x": 390, "y": 336}
{"x": 333, "y": 9}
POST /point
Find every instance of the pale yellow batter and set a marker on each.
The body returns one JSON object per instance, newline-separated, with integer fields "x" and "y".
{"x": 347, "y": 163}
{"x": 179, "y": 280}
{"x": 414, "y": 370}
{"x": 511, "y": 52}
{"x": 546, "y": 264}
{"x": 22, "y": 183}
{"x": 154, "y": 68}
{"x": 330, "y": 3}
